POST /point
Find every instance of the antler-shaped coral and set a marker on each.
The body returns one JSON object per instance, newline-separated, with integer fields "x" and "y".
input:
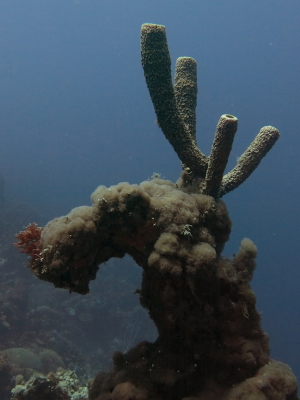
{"x": 175, "y": 108}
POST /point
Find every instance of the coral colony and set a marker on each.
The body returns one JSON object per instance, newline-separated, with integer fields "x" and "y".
{"x": 210, "y": 342}
{"x": 29, "y": 242}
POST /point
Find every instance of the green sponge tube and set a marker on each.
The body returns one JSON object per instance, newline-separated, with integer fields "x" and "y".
{"x": 156, "y": 63}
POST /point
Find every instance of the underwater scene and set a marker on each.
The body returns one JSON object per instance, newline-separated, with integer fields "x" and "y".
{"x": 149, "y": 200}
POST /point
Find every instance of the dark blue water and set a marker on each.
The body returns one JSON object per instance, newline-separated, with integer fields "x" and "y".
{"x": 75, "y": 113}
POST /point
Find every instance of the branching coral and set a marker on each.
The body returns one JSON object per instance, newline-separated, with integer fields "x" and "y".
{"x": 29, "y": 241}
{"x": 210, "y": 342}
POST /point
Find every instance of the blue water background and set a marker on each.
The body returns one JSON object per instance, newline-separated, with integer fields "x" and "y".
{"x": 75, "y": 113}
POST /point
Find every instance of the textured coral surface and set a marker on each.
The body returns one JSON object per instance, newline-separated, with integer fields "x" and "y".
{"x": 202, "y": 303}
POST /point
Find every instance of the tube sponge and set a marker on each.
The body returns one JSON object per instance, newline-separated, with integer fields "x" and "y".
{"x": 250, "y": 159}
{"x": 244, "y": 260}
{"x": 175, "y": 110}
{"x": 185, "y": 90}
{"x": 156, "y": 62}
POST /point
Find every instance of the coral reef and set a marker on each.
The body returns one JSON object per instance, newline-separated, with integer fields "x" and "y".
{"x": 36, "y": 322}
{"x": 210, "y": 342}
{"x": 62, "y": 385}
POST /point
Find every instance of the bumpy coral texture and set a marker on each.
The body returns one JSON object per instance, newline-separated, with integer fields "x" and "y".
{"x": 29, "y": 241}
{"x": 202, "y": 304}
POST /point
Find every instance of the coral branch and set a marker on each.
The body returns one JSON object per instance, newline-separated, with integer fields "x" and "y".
{"x": 156, "y": 62}
{"x": 220, "y": 152}
{"x": 175, "y": 111}
{"x": 185, "y": 90}
{"x": 29, "y": 241}
{"x": 250, "y": 159}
